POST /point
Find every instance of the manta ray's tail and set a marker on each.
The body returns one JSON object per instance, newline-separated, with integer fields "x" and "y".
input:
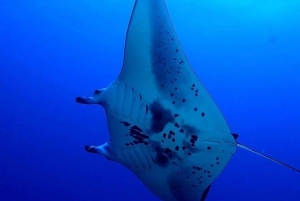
{"x": 267, "y": 157}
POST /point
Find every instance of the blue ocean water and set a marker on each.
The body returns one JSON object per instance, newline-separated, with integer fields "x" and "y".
{"x": 247, "y": 54}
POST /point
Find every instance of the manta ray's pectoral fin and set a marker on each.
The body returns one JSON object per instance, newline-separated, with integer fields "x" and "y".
{"x": 104, "y": 150}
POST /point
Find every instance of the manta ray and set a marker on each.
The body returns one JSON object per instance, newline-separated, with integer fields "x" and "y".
{"x": 163, "y": 124}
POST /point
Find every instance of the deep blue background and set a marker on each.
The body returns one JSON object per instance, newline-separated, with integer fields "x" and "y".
{"x": 247, "y": 54}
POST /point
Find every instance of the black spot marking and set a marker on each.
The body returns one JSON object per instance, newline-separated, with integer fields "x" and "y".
{"x": 202, "y": 114}
{"x": 171, "y": 132}
{"x": 208, "y": 148}
{"x": 197, "y": 168}
{"x": 177, "y": 148}
{"x": 125, "y": 123}
{"x": 138, "y": 136}
{"x": 195, "y": 137}
{"x": 160, "y": 117}
{"x": 135, "y": 127}
{"x": 139, "y": 139}
{"x": 162, "y": 160}
{"x": 195, "y": 109}
{"x": 136, "y": 133}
